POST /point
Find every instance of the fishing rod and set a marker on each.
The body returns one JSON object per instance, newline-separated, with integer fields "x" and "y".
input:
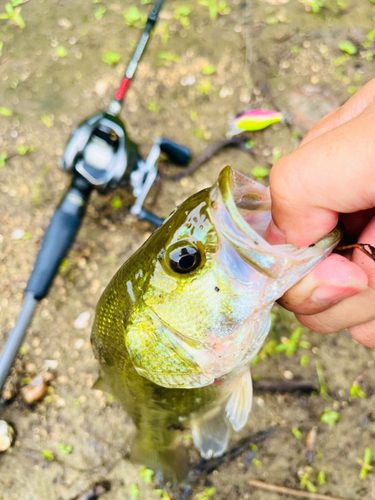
{"x": 100, "y": 155}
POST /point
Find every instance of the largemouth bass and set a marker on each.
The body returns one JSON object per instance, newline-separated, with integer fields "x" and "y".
{"x": 179, "y": 324}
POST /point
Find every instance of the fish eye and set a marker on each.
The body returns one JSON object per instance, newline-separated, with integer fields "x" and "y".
{"x": 184, "y": 259}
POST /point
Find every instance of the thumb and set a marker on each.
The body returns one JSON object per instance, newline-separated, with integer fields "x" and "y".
{"x": 333, "y": 280}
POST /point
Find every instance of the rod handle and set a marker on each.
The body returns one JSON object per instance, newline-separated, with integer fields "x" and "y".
{"x": 59, "y": 237}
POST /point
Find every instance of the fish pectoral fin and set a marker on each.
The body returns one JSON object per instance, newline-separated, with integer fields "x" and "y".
{"x": 210, "y": 433}
{"x": 239, "y": 404}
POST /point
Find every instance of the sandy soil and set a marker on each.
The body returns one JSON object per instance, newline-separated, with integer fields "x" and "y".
{"x": 291, "y": 62}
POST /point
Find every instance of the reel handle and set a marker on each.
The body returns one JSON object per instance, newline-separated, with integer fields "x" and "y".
{"x": 59, "y": 237}
{"x": 181, "y": 155}
{"x": 154, "y": 219}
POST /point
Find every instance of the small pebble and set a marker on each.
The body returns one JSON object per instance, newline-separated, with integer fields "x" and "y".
{"x": 82, "y": 321}
{"x": 288, "y": 375}
{"x": 36, "y": 389}
{"x": 6, "y": 436}
{"x": 188, "y": 80}
{"x": 17, "y": 234}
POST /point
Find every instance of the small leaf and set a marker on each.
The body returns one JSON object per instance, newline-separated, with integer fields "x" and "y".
{"x": 296, "y": 433}
{"x": 272, "y": 20}
{"x": 134, "y": 491}
{"x": 99, "y": 12}
{"x": 260, "y": 172}
{"x": 1, "y": 48}
{"x": 209, "y": 69}
{"x": 250, "y": 144}
{"x": 209, "y": 492}
{"x": 61, "y": 51}
{"x": 322, "y": 477}
{"x": 330, "y": 417}
{"x": 47, "y": 120}
{"x": 6, "y": 112}
{"x": 111, "y": 58}
{"x": 133, "y": 17}
{"x": 116, "y": 203}
{"x": 48, "y": 455}
{"x": 65, "y": 449}
{"x": 168, "y": 56}
{"x": 304, "y": 360}
{"x": 146, "y": 474}
{"x": 348, "y": 47}
{"x": 3, "y": 157}
{"x": 152, "y": 106}
{"x": 21, "y": 149}
{"x": 22, "y": 350}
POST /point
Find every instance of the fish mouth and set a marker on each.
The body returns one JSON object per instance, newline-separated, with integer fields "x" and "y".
{"x": 241, "y": 211}
{"x": 247, "y": 202}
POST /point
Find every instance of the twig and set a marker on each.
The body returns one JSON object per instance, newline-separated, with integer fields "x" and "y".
{"x": 289, "y": 491}
{"x": 285, "y": 385}
{"x": 206, "y": 155}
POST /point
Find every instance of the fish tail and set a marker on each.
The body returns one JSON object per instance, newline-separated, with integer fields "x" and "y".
{"x": 211, "y": 433}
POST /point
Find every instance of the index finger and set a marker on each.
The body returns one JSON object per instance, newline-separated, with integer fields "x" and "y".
{"x": 333, "y": 173}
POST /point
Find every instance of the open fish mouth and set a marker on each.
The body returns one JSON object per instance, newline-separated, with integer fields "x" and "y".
{"x": 241, "y": 211}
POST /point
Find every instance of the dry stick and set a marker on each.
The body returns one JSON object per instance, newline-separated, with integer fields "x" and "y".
{"x": 206, "y": 155}
{"x": 289, "y": 491}
{"x": 275, "y": 385}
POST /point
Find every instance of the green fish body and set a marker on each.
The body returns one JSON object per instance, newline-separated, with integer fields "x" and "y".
{"x": 178, "y": 325}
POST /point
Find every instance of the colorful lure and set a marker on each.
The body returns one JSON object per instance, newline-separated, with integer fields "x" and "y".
{"x": 255, "y": 119}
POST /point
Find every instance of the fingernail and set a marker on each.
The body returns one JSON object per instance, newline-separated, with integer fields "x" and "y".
{"x": 327, "y": 295}
{"x": 273, "y": 235}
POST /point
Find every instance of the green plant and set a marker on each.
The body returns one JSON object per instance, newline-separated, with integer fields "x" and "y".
{"x": 116, "y": 203}
{"x": 6, "y": 112}
{"x": 3, "y": 157}
{"x": 134, "y": 492}
{"x": 330, "y": 417}
{"x": 348, "y": 48}
{"x": 146, "y": 475}
{"x": 260, "y": 172}
{"x": 306, "y": 483}
{"x": 296, "y": 433}
{"x": 365, "y": 463}
{"x": 322, "y": 477}
{"x": 65, "y": 449}
{"x": 48, "y": 455}
{"x": 181, "y": 13}
{"x": 215, "y": 7}
{"x": 61, "y": 51}
{"x": 206, "y": 494}
{"x": 135, "y": 18}
{"x": 315, "y": 5}
{"x": 99, "y": 12}
{"x": 13, "y": 15}
{"x": 357, "y": 391}
{"x": 111, "y": 58}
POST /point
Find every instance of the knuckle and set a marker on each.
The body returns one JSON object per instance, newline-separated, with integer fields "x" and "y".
{"x": 318, "y": 323}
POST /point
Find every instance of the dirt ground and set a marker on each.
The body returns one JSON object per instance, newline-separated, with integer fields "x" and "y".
{"x": 276, "y": 54}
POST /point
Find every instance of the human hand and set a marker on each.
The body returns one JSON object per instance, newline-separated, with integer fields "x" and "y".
{"x": 331, "y": 175}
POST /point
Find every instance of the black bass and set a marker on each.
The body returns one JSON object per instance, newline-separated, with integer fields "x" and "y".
{"x": 179, "y": 324}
